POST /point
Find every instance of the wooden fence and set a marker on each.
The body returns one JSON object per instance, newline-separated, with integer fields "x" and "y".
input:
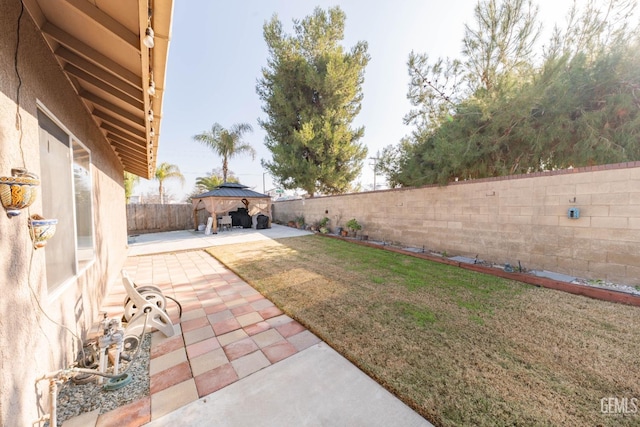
{"x": 143, "y": 218}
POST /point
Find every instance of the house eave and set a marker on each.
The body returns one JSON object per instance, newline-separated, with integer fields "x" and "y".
{"x": 99, "y": 46}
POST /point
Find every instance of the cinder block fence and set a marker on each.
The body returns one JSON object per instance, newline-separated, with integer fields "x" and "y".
{"x": 583, "y": 222}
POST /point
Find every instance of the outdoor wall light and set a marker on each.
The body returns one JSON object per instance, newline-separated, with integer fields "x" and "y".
{"x": 148, "y": 39}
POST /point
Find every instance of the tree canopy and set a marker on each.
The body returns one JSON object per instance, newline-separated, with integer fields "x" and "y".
{"x": 227, "y": 143}
{"x": 211, "y": 182}
{"x": 501, "y": 109}
{"x": 214, "y": 180}
{"x": 311, "y": 93}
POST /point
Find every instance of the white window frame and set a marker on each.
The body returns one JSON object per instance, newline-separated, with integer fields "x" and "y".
{"x": 79, "y": 270}
{"x": 88, "y": 261}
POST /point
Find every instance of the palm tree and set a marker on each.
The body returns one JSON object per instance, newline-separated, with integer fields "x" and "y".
{"x": 166, "y": 171}
{"x": 213, "y": 181}
{"x": 227, "y": 142}
{"x": 207, "y": 183}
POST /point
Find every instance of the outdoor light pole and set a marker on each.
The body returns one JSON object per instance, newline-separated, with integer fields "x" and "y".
{"x": 263, "y": 186}
{"x": 375, "y": 168}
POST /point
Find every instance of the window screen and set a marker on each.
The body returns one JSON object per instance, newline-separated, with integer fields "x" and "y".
{"x": 57, "y": 200}
{"x": 67, "y": 195}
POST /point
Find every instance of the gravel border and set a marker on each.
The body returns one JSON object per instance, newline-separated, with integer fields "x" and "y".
{"x": 75, "y": 399}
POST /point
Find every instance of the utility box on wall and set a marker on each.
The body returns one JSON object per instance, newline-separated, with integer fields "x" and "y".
{"x": 573, "y": 213}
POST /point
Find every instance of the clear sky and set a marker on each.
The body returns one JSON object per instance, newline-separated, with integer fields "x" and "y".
{"x": 217, "y": 51}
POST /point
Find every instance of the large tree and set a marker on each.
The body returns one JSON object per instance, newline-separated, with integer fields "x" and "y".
{"x": 166, "y": 171}
{"x": 500, "y": 110}
{"x": 311, "y": 93}
{"x": 227, "y": 143}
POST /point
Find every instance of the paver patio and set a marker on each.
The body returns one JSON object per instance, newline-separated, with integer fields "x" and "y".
{"x": 227, "y": 331}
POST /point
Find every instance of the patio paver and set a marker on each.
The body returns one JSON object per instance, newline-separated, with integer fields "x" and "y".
{"x": 209, "y": 388}
{"x": 227, "y": 331}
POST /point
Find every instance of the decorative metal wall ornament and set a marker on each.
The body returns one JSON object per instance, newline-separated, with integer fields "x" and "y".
{"x": 18, "y": 191}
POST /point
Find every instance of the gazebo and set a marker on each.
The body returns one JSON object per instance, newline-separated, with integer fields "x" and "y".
{"x": 228, "y": 197}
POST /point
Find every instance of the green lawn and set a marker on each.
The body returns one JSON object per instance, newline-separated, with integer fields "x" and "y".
{"x": 461, "y": 348}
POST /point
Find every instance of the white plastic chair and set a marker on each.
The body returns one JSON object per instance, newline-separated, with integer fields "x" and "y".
{"x": 225, "y": 222}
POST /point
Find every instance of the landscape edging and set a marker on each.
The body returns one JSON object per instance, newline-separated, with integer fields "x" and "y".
{"x": 587, "y": 291}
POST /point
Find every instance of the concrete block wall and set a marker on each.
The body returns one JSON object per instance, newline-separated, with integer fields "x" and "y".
{"x": 508, "y": 219}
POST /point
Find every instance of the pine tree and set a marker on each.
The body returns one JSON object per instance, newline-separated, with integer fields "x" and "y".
{"x": 311, "y": 93}
{"x": 495, "y": 112}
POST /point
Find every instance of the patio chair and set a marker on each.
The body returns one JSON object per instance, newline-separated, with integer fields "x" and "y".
{"x": 225, "y": 222}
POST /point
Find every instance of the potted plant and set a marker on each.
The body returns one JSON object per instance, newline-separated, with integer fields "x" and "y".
{"x": 300, "y": 221}
{"x": 354, "y": 226}
{"x": 322, "y": 225}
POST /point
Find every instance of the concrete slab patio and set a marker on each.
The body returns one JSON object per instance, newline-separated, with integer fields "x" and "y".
{"x": 237, "y": 360}
{"x": 316, "y": 387}
{"x": 174, "y": 241}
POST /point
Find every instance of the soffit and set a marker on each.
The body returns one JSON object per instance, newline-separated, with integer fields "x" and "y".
{"x": 98, "y": 44}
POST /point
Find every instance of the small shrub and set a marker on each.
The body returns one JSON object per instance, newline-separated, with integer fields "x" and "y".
{"x": 353, "y": 225}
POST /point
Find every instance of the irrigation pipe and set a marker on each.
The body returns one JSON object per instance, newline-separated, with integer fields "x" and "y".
{"x": 62, "y": 375}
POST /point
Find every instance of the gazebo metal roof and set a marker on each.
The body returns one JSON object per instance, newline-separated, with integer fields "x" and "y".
{"x": 231, "y": 189}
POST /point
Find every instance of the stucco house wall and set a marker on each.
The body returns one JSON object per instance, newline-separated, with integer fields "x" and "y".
{"x": 36, "y": 326}
{"x": 509, "y": 219}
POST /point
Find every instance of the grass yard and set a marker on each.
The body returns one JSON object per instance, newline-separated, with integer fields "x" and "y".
{"x": 461, "y": 348}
